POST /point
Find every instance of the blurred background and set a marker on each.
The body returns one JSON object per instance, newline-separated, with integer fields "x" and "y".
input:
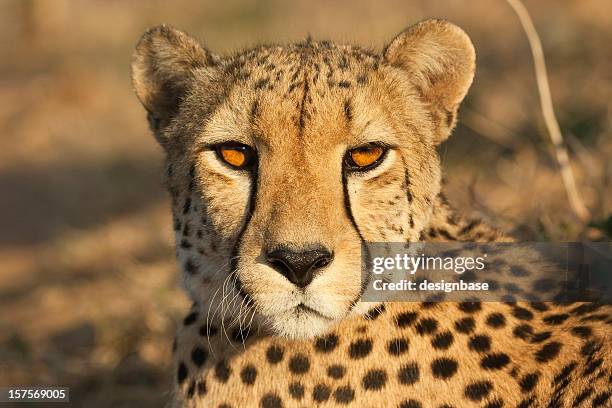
{"x": 87, "y": 279}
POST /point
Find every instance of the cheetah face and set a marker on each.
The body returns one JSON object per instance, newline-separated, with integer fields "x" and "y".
{"x": 283, "y": 160}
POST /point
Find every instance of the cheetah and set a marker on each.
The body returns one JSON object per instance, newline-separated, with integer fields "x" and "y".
{"x": 281, "y": 160}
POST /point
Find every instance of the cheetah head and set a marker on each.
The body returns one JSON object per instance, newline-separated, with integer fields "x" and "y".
{"x": 282, "y": 160}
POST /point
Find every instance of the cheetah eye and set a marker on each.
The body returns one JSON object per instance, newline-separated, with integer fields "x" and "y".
{"x": 364, "y": 157}
{"x": 237, "y": 155}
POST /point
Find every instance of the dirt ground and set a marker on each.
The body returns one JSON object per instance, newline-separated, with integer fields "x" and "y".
{"x": 88, "y": 286}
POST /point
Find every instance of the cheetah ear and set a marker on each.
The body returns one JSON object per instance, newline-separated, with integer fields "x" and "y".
{"x": 163, "y": 67}
{"x": 441, "y": 60}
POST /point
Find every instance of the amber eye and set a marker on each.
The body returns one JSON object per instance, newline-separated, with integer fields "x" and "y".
{"x": 236, "y": 155}
{"x": 364, "y": 157}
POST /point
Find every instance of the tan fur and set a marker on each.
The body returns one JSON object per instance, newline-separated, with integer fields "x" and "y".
{"x": 301, "y": 107}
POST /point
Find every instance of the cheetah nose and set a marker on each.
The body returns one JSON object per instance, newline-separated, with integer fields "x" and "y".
{"x": 299, "y": 266}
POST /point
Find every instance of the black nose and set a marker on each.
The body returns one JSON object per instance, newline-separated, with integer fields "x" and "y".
{"x": 299, "y": 266}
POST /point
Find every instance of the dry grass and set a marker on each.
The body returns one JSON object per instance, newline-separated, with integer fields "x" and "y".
{"x": 87, "y": 280}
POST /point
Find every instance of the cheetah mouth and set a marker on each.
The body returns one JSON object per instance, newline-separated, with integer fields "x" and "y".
{"x": 305, "y": 309}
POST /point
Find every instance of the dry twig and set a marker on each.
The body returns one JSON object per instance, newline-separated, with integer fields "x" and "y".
{"x": 548, "y": 111}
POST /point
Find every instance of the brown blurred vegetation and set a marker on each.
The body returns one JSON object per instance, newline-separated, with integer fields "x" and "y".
{"x": 87, "y": 281}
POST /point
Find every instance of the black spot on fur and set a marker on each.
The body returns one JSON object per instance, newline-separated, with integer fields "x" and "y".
{"x": 548, "y": 352}
{"x": 296, "y": 390}
{"x": 248, "y": 374}
{"x": 299, "y": 364}
{"x": 408, "y": 374}
{"x": 478, "y": 390}
{"x": 397, "y": 346}
{"x": 321, "y": 393}
{"x": 523, "y": 331}
{"x": 360, "y": 348}
{"x": 521, "y": 313}
{"x": 442, "y": 341}
{"x": 374, "y": 380}
{"x": 427, "y": 326}
{"x": 405, "y": 319}
{"x": 495, "y": 361}
{"x": 444, "y": 367}
{"x": 190, "y": 266}
{"x": 181, "y": 373}
{"x": 222, "y": 371}
{"x": 274, "y": 354}
{"x": 198, "y": 356}
{"x": 336, "y": 371}
{"x": 480, "y": 343}
{"x": 190, "y": 318}
{"x": 496, "y": 320}
{"x": 344, "y": 394}
{"x": 528, "y": 382}
{"x": 465, "y": 325}
{"x": 326, "y": 344}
